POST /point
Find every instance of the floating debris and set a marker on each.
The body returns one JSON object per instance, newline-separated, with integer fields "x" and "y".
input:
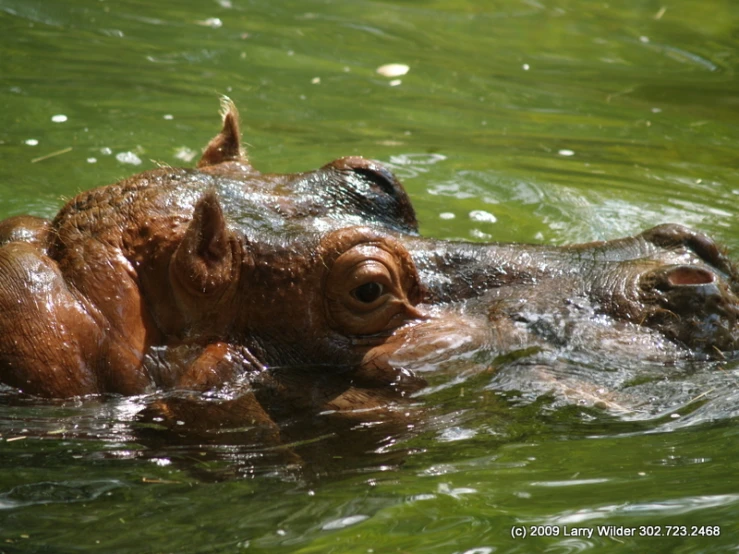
{"x": 185, "y": 154}
{"x": 212, "y": 22}
{"x": 483, "y": 216}
{"x": 128, "y": 158}
{"x": 151, "y": 481}
{"x": 393, "y": 70}
{"x": 59, "y": 118}
{"x": 52, "y": 155}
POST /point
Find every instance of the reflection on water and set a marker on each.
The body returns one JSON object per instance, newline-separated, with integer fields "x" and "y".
{"x": 679, "y": 506}
{"x": 63, "y": 492}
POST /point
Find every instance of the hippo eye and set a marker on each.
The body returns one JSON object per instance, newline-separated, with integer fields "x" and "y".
{"x": 371, "y": 288}
{"x": 369, "y": 292}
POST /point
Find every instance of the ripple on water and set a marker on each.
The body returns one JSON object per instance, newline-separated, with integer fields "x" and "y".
{"x": 686, "y": 505}
{"x": 343, "y": 522}
{"x": 570, "y": 546}
{"x": 480, "y": 550}
{"x": 60, "y": 492}
{"x": 452, "y": 434}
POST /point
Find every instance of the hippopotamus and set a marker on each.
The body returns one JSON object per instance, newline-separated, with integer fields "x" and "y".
{"x": 195, "y": 279}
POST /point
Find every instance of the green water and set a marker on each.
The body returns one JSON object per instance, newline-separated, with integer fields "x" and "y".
{"x": 567, "y": 121}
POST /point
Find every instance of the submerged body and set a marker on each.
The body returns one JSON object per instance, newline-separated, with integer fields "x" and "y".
{"x": 197, "y": 279}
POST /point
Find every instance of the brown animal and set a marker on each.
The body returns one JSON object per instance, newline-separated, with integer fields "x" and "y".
{"x": 198, "y": 278}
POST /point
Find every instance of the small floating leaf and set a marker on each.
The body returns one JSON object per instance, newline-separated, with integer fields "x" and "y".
{"x": 393, "y": 70}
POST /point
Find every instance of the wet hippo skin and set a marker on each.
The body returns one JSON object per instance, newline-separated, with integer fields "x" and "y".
{"x": 195, "y": 279}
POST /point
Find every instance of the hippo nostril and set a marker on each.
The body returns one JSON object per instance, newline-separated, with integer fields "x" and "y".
{"x": 689, "y": 275}
{"x": 690, "y": 304}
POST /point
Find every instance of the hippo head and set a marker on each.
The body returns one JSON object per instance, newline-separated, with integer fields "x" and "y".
{"x": 307, "y": 269}
{"x": 253, "y": 259}
{"x": 325, "y": 269}
{"x": 186, "y": 277}
{"x": 349, "y": 297}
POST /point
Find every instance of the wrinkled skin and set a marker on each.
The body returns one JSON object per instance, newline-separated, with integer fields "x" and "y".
{"x": 314, "y": 291}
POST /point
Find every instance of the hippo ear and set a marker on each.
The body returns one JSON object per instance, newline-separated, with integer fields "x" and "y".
{"x": 204, "y": 260}
{"x": 226, "y": 145}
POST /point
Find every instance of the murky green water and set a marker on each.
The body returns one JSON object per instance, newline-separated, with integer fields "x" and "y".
{"x": 518, "y": 120}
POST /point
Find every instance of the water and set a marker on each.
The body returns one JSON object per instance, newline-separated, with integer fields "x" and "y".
{"x": 533, "y": 121}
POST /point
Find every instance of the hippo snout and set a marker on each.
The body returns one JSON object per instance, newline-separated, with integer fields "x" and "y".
{"x": 694, "y": 305}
